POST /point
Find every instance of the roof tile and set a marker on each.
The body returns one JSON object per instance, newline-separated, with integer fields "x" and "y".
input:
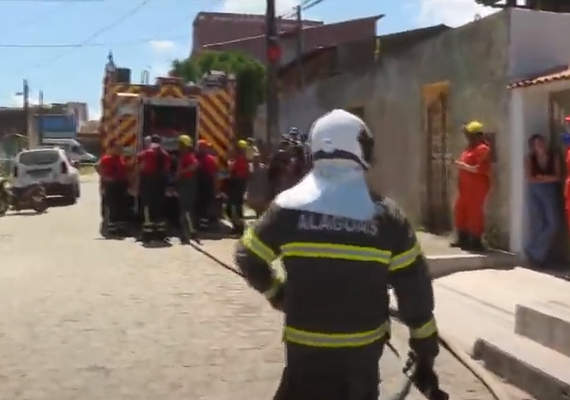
{"x": 560, "y": 73}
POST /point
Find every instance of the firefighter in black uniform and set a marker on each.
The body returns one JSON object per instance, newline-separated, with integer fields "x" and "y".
{"x": 154, "y": 166}
{"x": 341, "y": 249}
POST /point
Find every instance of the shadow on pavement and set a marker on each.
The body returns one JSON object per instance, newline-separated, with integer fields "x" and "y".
{"x": 56, "y": 202}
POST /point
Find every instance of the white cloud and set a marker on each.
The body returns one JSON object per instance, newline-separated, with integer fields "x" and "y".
{"x": 162, "y": 46}
{"x": 257, "y": 6}
{"x": 452, "y": 12}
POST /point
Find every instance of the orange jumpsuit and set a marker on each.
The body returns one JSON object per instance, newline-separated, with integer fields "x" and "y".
{"x": 473, "y": 188}
{"x": 567, "y": 188}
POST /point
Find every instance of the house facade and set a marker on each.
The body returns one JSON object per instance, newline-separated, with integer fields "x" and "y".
{"x": 416, "y": 99}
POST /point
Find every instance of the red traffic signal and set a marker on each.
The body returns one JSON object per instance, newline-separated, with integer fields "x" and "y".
{"x": 273, "y": 53}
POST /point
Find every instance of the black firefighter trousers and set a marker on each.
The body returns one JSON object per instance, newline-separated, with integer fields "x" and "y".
{"x": 115, "y": 204}
{"x": 305, "y": 386}
{"x": 205, "y": 198}
{"x": 236, "y": 189}
{"x": 187, "y": 195}
{"x": 152, "y": 195}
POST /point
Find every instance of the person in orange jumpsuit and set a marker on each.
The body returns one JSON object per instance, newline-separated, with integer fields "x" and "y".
{"x": 473, "y": 185}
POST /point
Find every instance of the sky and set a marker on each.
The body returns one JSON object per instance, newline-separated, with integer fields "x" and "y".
{"x": 61, "y": 47}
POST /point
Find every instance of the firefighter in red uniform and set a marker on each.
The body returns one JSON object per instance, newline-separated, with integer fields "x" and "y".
{"x": 187, "y": 186}
{"x": 114, "y": 184}
{"x": 236, "y": 186}
{"x": 154, "y": 167}
{"x": 473, "y": 184}
{"x": 206, "y": 176}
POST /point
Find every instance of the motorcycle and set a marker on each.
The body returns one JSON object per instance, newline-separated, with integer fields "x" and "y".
{"x": 32, "y": 197}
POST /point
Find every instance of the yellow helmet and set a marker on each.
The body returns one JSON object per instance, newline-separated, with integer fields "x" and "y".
{"x": 242, "y": 144}
{"x": 473, "y": 127}
{"x": 185, "y": 140}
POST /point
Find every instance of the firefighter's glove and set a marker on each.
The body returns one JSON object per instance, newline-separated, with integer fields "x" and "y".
{"x": 276, "y": 295}
{"x": 425, "y": 378}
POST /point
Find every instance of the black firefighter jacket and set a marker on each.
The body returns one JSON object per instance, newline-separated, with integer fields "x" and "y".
{"x": 336, "y": 291}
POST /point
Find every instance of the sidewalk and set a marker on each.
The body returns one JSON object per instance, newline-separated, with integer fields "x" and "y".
{"x": 517, "y": 322}
{"x": 444, "y": 260}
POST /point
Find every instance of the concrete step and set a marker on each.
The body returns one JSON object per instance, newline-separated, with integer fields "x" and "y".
{"x": 547, "y": 323}
{"x": 535, "y": 369}
{"x": 505, "y": 289}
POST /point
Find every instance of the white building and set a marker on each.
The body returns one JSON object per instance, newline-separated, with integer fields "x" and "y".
{"x": 540, "y": 97}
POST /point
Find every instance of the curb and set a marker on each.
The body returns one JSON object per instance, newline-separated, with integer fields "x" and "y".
{"x": 443, "y": 265}
{"x": 529, "y": 378}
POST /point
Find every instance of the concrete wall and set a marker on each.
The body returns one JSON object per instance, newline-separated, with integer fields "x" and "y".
{"x": 473, "y": 59}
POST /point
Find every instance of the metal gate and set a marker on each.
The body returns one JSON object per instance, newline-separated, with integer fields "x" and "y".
{"x": 438, "y": 205}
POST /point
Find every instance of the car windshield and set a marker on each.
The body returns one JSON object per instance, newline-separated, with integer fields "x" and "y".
{"x": 39, "y": 157}
{"x": 78, "y": 150}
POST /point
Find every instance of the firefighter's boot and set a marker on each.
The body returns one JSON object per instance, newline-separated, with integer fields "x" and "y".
{"x": 461, "y": 242}
{"x": 474, "y": 243}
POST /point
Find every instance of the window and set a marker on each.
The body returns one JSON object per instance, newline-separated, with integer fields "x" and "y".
{"x": 77, "y": 149}
{"x": 39, "y": 157}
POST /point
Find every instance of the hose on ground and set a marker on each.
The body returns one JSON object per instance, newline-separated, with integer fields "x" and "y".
{"x": 490, "y": 383}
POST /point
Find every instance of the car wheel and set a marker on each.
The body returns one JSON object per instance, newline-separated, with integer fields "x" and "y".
{"x": 70, "y": 195}
{"x": 4, "y": 206}
{"x": 77, "y": 191}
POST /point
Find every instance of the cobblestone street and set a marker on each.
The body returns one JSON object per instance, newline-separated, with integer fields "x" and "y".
{"x": 85, "y": 318}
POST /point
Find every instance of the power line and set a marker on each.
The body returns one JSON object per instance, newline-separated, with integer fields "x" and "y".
{"x": 305, "y": 5}
{"x": 87, "y": 45}
{"x": 95, "y": 35}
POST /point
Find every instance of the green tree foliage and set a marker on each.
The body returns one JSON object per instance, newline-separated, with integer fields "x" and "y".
{"x": 249, "y": 73}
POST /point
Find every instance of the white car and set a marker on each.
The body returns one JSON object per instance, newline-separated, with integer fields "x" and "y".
{"x": 75, "y": 150}
{"x": 51, "y": 168}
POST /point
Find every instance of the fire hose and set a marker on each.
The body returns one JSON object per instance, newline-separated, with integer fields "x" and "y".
{"x": 488, "y": 381}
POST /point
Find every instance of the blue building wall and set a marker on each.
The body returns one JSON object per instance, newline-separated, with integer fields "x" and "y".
{"x": 57, "y": 126}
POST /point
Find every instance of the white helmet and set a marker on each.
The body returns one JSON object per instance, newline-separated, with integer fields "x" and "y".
{"x": 340, "y": 135}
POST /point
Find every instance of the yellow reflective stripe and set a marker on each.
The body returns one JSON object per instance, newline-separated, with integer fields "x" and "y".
{"x": 257, "y": 247}
{"x": 337, "y": 340}
{"x": 338, "y": 251}
{"x": 272, "y": 291}
{"x": 406, "y": 258}
{"x": 426, "y": 330}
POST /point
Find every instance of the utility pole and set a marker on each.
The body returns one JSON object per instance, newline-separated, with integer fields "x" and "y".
{"x": 299, "y": 43}
{"x": 26, "y": 96}
{"x": 273, "y": 56}
{"x": 41, "y": 118}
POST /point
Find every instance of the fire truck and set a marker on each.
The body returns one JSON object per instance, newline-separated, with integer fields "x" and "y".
{"x": 167, "y": 108}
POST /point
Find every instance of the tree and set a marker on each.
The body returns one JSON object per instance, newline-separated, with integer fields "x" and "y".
{"x": 249, "y": 73}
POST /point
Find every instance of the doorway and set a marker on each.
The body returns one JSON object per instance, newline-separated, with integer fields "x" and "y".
{"x": 437, "y": 210}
